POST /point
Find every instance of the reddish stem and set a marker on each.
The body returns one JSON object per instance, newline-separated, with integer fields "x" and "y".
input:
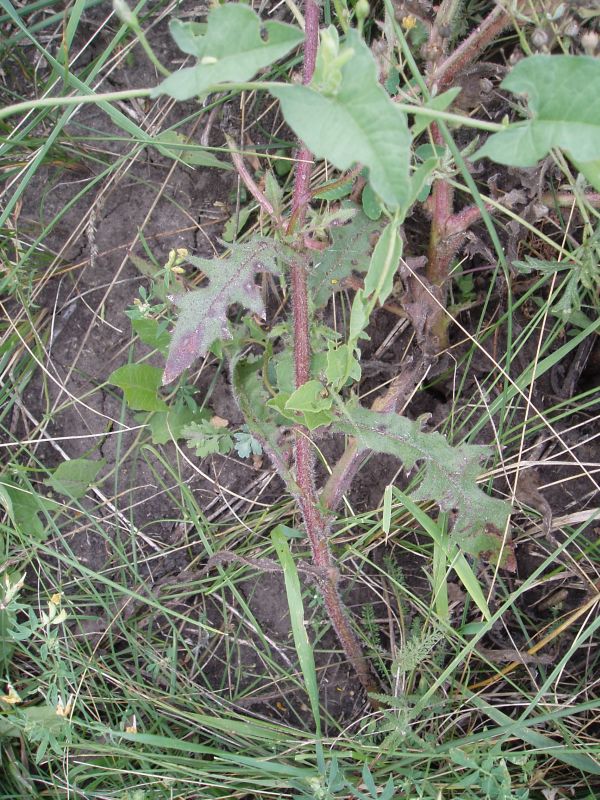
{"x": 317, "y": 525}
{"x": 470, "y": 49}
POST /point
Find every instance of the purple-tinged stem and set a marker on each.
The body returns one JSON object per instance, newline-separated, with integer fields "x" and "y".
{"x": 316, "y": 523}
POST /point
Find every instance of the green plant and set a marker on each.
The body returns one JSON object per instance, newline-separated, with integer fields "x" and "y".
{"x": 341, "y": 113}
{"x": 142, "y": 698}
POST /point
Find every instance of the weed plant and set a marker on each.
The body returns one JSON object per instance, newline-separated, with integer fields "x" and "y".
{"x": 460, "y": 615}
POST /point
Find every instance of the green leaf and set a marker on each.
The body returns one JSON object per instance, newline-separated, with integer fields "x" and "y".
{"x": 205, "y": 438}
{"x": 357, "y": 123}
{"x": 203, "y": 313}
{"x": 312, "y": 396}
{"x": 235, "y": 224}
{"x": 370, "y": 204}
{"x": 350, "y": 250}
{"x": 174, "y": 145}
{"x": 421, "y": 179}
{"x": 284, "y": 366}
{"x": 167, "y": 426}
{"x": 450, "y": 473}
{"x": 231, "y": 49}
{"x": 379, "y": 280}
{"x": 246, "y": 444}
{"x": 153, "y": 333}
{"x": 311, "y": 419}
{"x": 296, "y": 607}
{"x": 140, "y": 384}
{"x": 342, "y": 365}
{"x": 562, "y": 94}
{"x": 73, "y": 478}
{"x": 25, "y": 507}
{"x": 251, "y": 395}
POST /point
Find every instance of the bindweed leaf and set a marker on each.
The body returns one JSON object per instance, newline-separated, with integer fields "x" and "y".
{"x": 230, "y": 48}
{"x": 73, "y": 478}
{"x": 174, "y": 145}
{"x": 562, "y": 95}
{"x": 140, "y": 384}
{"x": 352, "y": 119}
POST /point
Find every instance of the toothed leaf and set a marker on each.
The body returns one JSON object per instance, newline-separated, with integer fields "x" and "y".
{"x": 449, "y": 473}
{"x": 203, "y": 313}
{"x": 350, "y": 250}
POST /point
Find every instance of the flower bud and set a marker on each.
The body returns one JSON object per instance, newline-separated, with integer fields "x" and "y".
{"x": 361, "y": 9}
{"x": 589, "y": 42}
{"x": 539, "y": 38}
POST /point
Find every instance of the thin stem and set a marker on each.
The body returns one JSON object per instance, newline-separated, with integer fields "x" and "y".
{"x": 127, "y": 94}
{"x": 72, "y": 100}
{"x": 248, "y": 180}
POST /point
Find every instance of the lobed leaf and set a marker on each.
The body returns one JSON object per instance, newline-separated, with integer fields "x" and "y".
{"x": 355, "y": 122}
{"x": 450, "y": 473}
{"x": 203, "y": 313}
{"x": 231, "y": 49}
{"x": 562, "y": 94}
{"x": 350, "y": 250}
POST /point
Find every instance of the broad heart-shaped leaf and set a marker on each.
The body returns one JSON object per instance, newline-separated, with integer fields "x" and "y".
{"x": 450, "y": 473}
{"x": 232, "y": 49}
{"x": 357, "y": 123}
{"x": 562, "y": 93}
{"x": 203, "y": 313}
{"x": 140, "y": 384}
{"x": 350, "y": 250}
{"x": 72, "y": 478}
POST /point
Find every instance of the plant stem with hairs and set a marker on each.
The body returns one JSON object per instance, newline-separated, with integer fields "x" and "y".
{"x": 316, "y": 522}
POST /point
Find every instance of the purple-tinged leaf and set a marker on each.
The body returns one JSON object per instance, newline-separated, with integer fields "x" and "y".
{"x": 203, "y": 313}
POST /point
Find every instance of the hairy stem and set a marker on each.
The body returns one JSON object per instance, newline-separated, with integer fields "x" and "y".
{"x": 470, "y": 49}
{"x": 442, "y": 248}
{"x": 316, "y": 523}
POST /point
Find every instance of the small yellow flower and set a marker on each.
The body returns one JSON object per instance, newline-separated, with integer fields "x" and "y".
{"x": 409, "y": 22}
{"x": 55, "y": 599}
{"x": 11, "y": 698}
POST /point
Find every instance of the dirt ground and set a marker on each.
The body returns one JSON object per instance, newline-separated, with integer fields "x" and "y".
{"x": 174, "y": 206}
